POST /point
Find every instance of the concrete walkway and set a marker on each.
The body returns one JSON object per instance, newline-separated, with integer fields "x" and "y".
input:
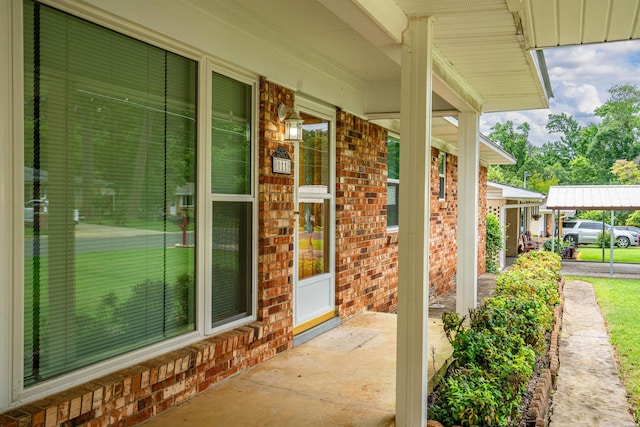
{"x": 589, "y": 392}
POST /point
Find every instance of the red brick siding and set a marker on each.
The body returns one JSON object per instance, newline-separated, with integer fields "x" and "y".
{"x": 276, "y": 222}
{"x": 135, "y": 394}
{"x": 443, "y": 230}
{"x": 366, "y": 265}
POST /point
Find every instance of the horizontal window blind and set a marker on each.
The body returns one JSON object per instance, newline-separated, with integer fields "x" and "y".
{"x": 110, "y": 137}
{"x": 232, "y": 238}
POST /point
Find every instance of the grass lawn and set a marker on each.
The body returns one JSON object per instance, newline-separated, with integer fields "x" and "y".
{"x": 619, "y": 301}
{"x": 98, "y": 274}
{"x": 594, "y": 253}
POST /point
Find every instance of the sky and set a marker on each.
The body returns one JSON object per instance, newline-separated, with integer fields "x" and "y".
{"x": 580, "y": 78}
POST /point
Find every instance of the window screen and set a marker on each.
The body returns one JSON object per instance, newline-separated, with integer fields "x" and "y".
{"x": 110, "y": 137}
{"x": 442, "y": 174}
{"x": 393, "y": 183}
{"x": 231, "y": 257}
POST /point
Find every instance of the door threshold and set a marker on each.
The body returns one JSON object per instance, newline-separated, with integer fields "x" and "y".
{"x": 317, "y": 330}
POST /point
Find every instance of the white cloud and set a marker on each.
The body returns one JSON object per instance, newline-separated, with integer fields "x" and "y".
{"x": 584, "y": 98}
{"x": 580, "y": 77}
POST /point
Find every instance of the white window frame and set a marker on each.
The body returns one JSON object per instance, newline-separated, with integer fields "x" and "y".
{"x": 393, "y": 135}
{"x": 325, "y": 112}
{"x": 14, "y": 381}
{"x": 210, "y": 197}
{"x": 442, "y": 175}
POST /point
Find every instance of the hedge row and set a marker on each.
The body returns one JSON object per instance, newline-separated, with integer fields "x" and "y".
{"x": 494, "y": 357}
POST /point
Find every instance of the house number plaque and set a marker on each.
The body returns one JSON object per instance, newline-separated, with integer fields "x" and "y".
{"x": 281, "y": 161}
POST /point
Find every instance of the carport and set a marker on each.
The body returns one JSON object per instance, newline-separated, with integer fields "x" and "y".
{"x": 594, "y": 197}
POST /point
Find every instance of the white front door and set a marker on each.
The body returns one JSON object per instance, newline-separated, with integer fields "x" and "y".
{"x": 314, "y": 293}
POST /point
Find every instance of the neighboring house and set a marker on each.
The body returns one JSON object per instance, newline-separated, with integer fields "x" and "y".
{"x": 146, "y": 95}
{"x": 184, "y": 201}
{"x": 518, "y": 211}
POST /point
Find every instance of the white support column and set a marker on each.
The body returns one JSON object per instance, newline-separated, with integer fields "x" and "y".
{"x": 6, "y": 203}
{"x": 413, "y": 283}
{"x": 468, "y": 170}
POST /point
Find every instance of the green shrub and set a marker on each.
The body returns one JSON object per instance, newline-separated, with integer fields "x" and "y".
{"x": 494, "y": 242}
{"x": 607, "y": 239}
{"x": 558, "y": 247}
{"x": 494, "y": 357}
{"x": 468, "y": 398}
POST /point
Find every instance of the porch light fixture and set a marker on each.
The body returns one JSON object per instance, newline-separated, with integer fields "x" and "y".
{"x": 292, "y": 123}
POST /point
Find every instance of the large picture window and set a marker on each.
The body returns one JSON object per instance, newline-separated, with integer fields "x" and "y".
{"x": 109, "y": 191}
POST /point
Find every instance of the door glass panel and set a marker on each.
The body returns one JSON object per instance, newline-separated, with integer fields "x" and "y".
{"x": 314, "y": 155}
{"x": 313, "y": 238}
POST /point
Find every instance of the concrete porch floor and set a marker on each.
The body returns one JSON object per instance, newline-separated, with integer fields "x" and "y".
{"x": 345, "y": 377}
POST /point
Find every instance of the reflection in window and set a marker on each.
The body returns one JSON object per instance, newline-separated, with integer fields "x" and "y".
{"x": 110, "y": 138}
{"x": 231, "y": 259}
{"x": 231, "y": 136}
{"x": 314, "y": 152}
{"x": 442, "y": 173}
{"x": 313, "y": 198}
{"x": 313, "y": 241}
{"x": 393, "y": 182}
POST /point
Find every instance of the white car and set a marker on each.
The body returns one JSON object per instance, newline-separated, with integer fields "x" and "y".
{"x": 583, "y": 231}
{"x": 43, "y": 209}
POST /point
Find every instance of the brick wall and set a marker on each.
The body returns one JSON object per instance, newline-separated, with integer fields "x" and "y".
{"x": 137, "y": 393}
{"x": 366, "y": 264}
{"x": 276, "y": 222}
{"x": 482, "y": 221}
{"x": 443, "y": 230}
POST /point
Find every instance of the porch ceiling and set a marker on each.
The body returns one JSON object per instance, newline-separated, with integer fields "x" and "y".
{"x": 480, "y": 62}
{"x": 552, "y": 23}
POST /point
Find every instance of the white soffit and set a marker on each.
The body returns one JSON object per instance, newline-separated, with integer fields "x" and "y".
{"x": 483, "y": 41}
{"x": 481, "y": 58}
{"x": 594, "y": 197}
{"x": 552, "y": 23}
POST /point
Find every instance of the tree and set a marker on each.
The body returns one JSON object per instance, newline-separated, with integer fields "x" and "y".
{"x": 626, "y": 172}
{"x": 582, "y": 171}
{"x": 617, "y": 135}
{"x": 633, "y": 219}
{"x": 571, "y": 142}
{"x": 515, "y": 142}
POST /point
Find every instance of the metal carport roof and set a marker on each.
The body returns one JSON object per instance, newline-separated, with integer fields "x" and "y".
{"x": 594, "y": 197}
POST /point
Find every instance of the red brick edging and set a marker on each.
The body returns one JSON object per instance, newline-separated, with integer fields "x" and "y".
{"x": 538, "y": 413}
